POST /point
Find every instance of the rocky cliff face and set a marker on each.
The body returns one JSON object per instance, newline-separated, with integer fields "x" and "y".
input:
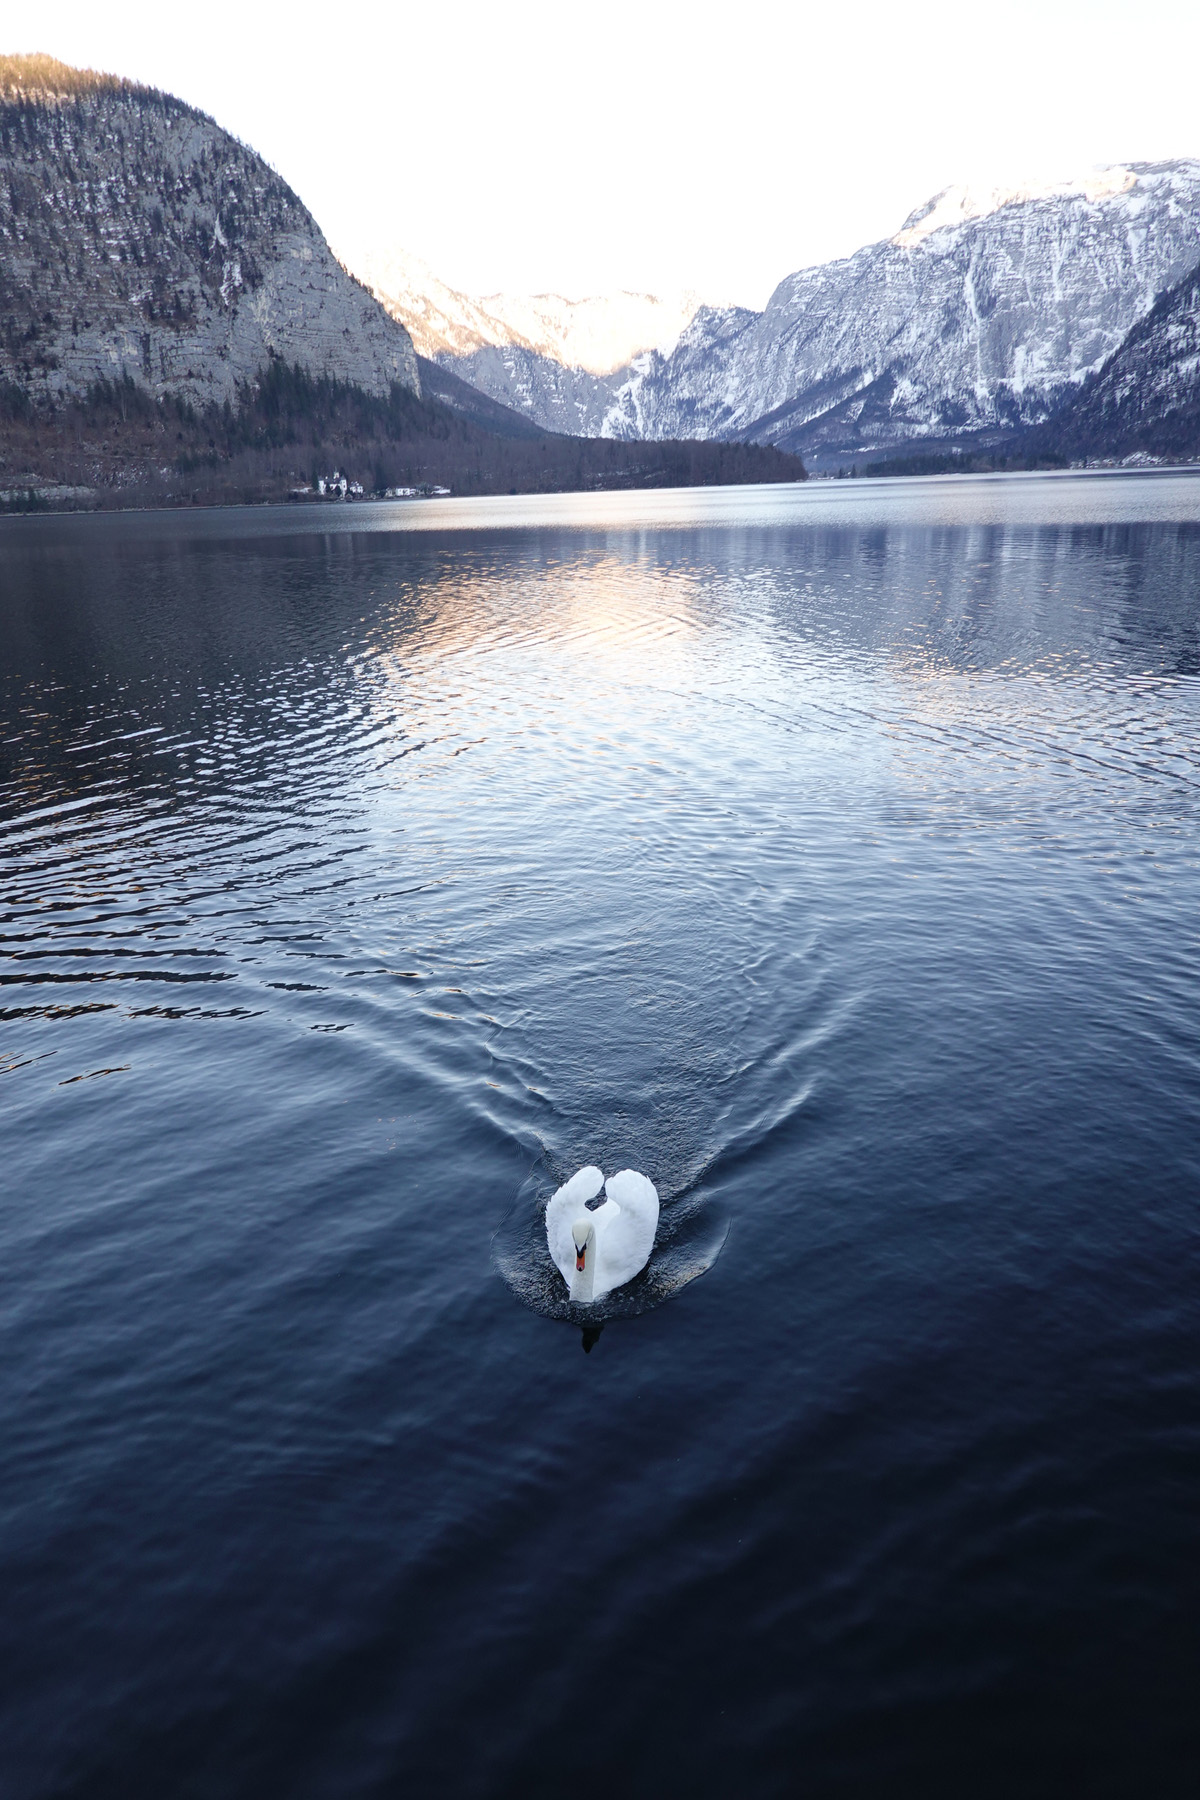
{"x": 139, "y": 239}
{"x": 633, "y": 402}
{"x": 1145, "y": 401}
{"x": 977, "y": 319}
{"x": 558, "y": 397}
{"x": 656, "y": 396}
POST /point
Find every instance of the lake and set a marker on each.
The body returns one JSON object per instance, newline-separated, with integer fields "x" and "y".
{"x": 828, "y": 853}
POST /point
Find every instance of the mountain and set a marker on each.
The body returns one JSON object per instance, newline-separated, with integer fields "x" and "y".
{"x": 467, "y": 403}
{"x": 568, "y": 365}
{"x": 437, "y": 318}
{"x": 560, "y": 398}
{"x": 173, "y": 326}
{"x": 597, "y": 335}
{"x": 1144, "y": 402}
{"x": 140, "y": 240}
{"x": 976, "y": 320}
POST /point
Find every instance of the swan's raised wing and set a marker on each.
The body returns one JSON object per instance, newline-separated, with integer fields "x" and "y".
{"x": 630, "y": 1239}
{"x": 564, "y": 1208}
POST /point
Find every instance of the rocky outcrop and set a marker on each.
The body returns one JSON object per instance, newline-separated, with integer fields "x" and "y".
{"x": 554, "y": 395}
{"x": 138, "y": 239}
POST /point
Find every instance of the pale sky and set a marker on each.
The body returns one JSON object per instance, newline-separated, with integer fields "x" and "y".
{"x": 520, "y": 146}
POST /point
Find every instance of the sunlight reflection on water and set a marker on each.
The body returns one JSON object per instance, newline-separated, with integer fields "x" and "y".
{"x": 828, "y": 852}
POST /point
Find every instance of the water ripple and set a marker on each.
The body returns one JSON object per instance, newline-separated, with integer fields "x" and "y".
{"x": 831, "y": 856}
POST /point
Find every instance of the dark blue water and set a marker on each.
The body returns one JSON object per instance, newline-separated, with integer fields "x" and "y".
{"x": 829, "y": 854}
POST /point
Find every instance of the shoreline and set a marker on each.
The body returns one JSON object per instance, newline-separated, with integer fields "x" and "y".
{"x": 822, "y": 480}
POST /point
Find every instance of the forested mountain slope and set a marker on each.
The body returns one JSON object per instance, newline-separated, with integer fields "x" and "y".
{"x": 139, "y": 239}
{"x": 122, "y": 447}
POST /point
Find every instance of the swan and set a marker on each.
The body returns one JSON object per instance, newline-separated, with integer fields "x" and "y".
{"x": 599, "y": 1244}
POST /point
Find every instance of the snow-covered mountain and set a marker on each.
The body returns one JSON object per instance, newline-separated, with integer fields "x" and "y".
{"x": 978, "y": 317}
{"x": 596, "y": 335}
{"x": 1145, "y": 401}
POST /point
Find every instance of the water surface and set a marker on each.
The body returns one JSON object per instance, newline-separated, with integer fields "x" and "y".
{"x": 828, "y": 853}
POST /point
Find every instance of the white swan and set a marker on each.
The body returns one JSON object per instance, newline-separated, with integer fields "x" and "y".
{"x": 600, "y": 1247}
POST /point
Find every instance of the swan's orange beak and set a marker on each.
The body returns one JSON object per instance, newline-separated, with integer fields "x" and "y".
{"x": 579, "y": 1256}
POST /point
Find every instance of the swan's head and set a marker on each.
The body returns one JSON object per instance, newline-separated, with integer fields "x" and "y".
{"x": 583, "y": 1233}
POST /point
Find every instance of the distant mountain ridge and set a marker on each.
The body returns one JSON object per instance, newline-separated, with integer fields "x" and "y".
{"x": 978, "y": 319}
{"x": 138, "y": 240}
{"x": 598, "y": 334}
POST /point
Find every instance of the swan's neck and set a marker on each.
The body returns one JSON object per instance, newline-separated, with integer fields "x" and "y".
{"x": 583, "y": 1280}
